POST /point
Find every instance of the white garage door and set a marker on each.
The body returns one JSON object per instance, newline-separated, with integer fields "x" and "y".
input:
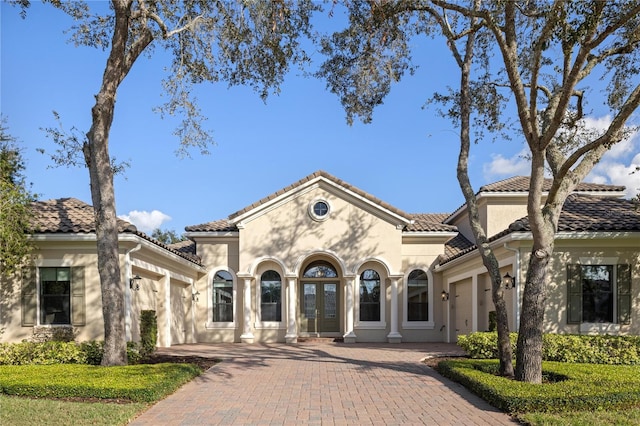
{"x": 178, "y": 314}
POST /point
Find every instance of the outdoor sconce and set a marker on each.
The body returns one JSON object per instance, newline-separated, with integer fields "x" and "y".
{"x": 509, "y": 281}
{"x": 194, "y": 296}
{"x": 133, "y": 283}
{"x": 445, "y": 296}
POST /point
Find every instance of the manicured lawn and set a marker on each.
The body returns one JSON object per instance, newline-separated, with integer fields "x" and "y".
{"x": 136, "y": 383}
{"x": 86, "y": 394}
{"x": 583, "y": 418}
{"x": 572, "y": 394}
{"x": 19, "y": 411}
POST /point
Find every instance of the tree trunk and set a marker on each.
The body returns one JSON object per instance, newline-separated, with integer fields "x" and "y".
{"x": 96, "y": 151}
{"x": 502, "y": 323}
{"x": 529, "y": 354}
{"x": 103, "y": 197}
{"x": 488, "y": 257}
{"x": 543, "y": 227}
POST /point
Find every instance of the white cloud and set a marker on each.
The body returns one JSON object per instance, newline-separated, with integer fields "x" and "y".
{"x": 622, "y": 148}
{"x": 146, "y": 221}
{"x": 500, "y": 166}
{"x": 617, "y": 173}
{"x": 615, "y": 167}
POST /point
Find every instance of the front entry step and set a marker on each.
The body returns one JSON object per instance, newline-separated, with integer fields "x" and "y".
{"x": 320, "y": 339}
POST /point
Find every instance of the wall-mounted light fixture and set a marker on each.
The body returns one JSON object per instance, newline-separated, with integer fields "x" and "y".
{"x": 133, "y": 283}
{"x": 445, "y": 296}
{"x": 509, "y": 281}
{"x": 194, "y": 296}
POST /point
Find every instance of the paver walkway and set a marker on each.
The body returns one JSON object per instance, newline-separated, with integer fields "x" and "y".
{"x": 320, "y": 383}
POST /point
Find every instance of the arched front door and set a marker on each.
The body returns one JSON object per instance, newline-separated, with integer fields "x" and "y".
{"x": 319, "y": 300}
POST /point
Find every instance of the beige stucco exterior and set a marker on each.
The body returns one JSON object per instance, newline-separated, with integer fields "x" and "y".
{"x": 283, "y": 233}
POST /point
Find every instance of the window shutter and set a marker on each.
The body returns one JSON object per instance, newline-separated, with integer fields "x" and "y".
{"x": 624, "y": 294}
{"x": 29, "y": 297}
{"x": 574, "y": 294}
{"x": 78, "y": 309}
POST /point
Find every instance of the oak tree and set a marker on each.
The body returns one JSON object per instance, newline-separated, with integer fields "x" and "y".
{"x": 252, "y": 43}
{"x": 15, "y": 205}
{"x": 551, "y": 58}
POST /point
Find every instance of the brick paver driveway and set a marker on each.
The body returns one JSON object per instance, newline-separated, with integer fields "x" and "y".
{"x": 320, "y": 383}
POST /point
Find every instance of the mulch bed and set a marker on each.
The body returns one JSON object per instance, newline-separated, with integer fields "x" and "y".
{"x": 202, "y": 362}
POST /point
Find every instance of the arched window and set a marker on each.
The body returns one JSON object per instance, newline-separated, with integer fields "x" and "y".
{"x": 369, "y": 296}
{"x": 320, "y": 269}
{"x": 222, "y": 303}
{"x": 271, "y": 297}
{"x": 417, "y": 296}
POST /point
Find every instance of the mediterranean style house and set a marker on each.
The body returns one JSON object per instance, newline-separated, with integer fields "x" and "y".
{"x": 323, "y": 258}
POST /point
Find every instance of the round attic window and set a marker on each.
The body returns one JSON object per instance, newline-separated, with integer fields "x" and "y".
{"x": 319, "y": 210}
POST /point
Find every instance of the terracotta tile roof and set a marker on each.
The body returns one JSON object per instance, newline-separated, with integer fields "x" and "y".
{"x": 321, "y": 173}
{"x": 580, "y": 213}
{"x": 187, "y": 247}
{"x": 429, "y": 222}
{"x": 587, "y": 213}
{"x": 70, "y": 215}
{"x": 521, "y": 184}
{"x": 222, "y": 225}
{"x": 457, "y": 246}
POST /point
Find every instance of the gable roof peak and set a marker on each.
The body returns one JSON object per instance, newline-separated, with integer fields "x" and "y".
{"x": 321, "y": 175}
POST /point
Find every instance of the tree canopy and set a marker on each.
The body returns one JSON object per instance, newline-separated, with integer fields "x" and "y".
{"x": 535, "y": 68}
{"x": 248, "y": 43}
{"x": 15, "y": 205}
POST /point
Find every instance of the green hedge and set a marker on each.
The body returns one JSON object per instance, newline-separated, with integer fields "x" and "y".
{"x": 595, "y": 349}
{"x": 138, "y": 383}
{"x": 573, "y": 386}
{"x": 56, "y": 352}
{"x": 148, "y": 332}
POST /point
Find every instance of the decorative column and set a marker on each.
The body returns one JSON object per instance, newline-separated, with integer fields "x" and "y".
{"x": 292, "y": 333}
{"x": 349, "y": 336}
{"x": 474, "y": 302}
{"x": 394, "y": 336}
{"x": 164, "y": 330}
{"x": 247, "y": 334}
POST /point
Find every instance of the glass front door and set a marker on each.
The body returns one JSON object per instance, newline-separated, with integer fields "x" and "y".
{"x": 319, "y": 308}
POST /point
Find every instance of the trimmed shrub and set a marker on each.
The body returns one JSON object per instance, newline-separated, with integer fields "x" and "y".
{"x": 594, "y": 349}
{"x": 52, "y": 352}
{"x": 484, "y": 345}
{"x": 46, "y": 353}
{"x": 568, "y": 387}
{"x": 140, "y": 383}
{"x": 148, "y": 333}
{"x": 93, "y": 351}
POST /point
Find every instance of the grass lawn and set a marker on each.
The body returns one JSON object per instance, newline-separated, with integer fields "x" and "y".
{"x": 19, "y": 411}
{"x": 572, "y": 394}
{"x": 583, "y": 418}
{"x": 83, "y": 394}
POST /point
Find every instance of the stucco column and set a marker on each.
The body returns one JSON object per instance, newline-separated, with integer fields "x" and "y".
{"x": 247, "y": 334}
{"x": 164, "y": 330}
{"x": 349, "y": 336}
{"x": 474, "y": 303}
{"x": 292, "y": 334}
{"x": 394, "y": 336}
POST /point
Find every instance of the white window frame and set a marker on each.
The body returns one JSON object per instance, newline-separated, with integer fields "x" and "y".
{"x": 371, "y": 325}
{"x": 221, "y": 325}
{"x": 605, "y": 327}
{"x": 50, "y": 263}
{"x": 417, "y": 325}
{"x": 273, "y": 325}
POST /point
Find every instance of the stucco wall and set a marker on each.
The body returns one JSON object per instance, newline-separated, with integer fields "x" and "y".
{"x": 288, "y": 233}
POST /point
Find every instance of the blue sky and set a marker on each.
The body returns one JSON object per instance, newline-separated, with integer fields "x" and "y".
{"x": 406, "y": 157}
